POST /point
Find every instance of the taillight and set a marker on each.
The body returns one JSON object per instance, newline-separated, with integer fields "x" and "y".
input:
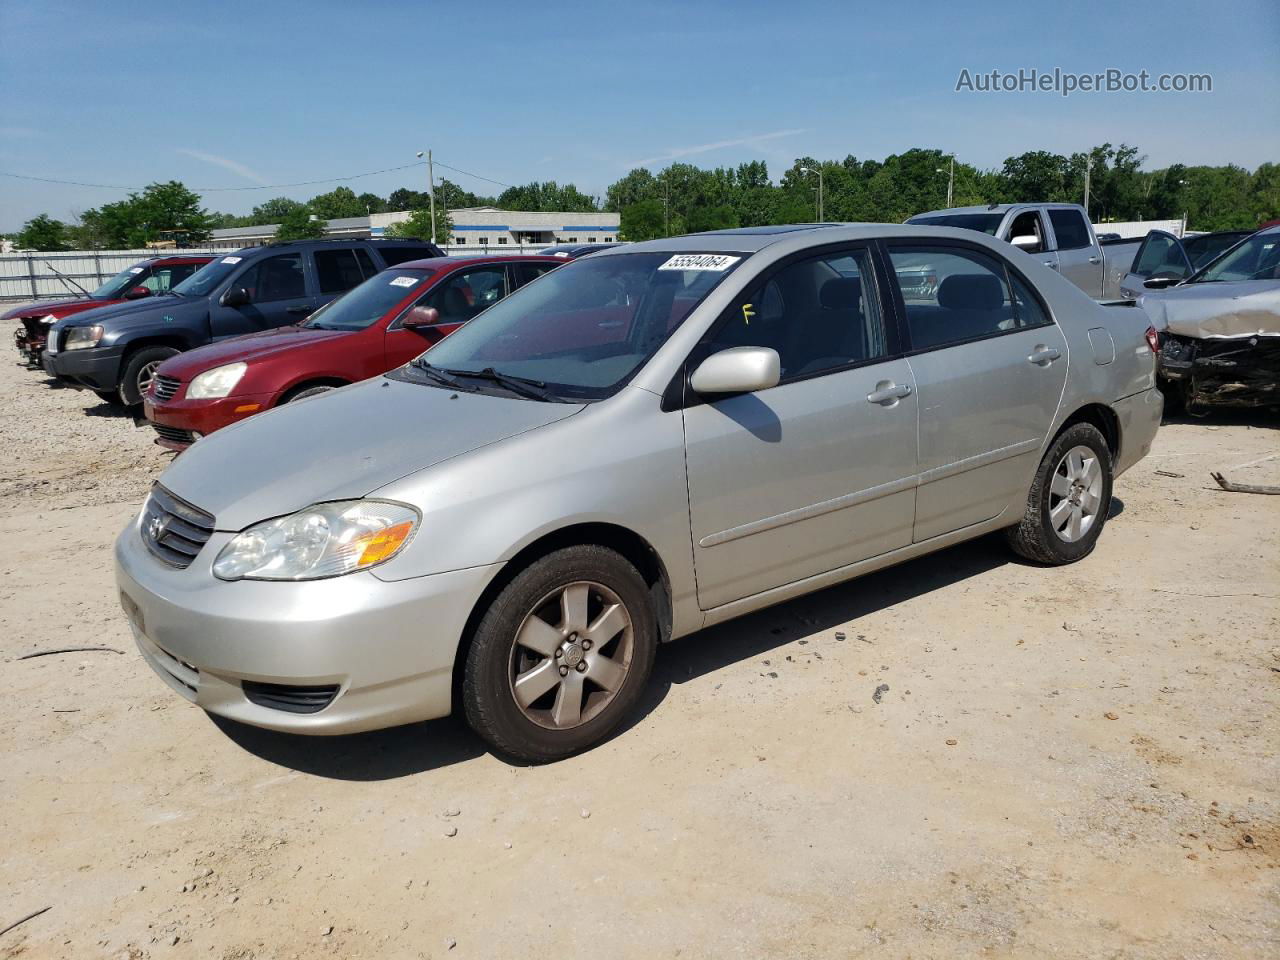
{"x": 1153, "y": 340}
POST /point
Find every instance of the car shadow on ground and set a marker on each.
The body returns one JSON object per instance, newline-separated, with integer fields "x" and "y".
{"x": 1258, "y": 419}
{"x": 421, "y": 747}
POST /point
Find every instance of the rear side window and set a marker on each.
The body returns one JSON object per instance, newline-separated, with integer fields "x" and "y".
{"x": 953, "y": 294}
{"x": 398, "y": 254}
{"x": 366, "y": 262}
{"x": 275, "y": 278}
{"x": 1070, "y": 229}
{"x": 819, "y": 314}
{"x": 525, "y": 272}
{"x": 337, "y": 271}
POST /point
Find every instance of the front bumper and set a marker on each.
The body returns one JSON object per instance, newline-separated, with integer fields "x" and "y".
{"x": 97, "y": 368}
{"x": 1221, "y": 372}
{"x": 180, "y": 415}
{"x": 388, "y": 647}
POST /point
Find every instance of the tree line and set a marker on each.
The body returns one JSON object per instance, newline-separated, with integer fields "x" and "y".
{"x": 683, "y": 198}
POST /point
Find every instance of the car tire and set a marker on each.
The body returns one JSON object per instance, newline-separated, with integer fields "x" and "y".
{"x": 1069, "y": 499}
{"x": 308, "y": 392}
{"x": 139, "y": 368}
{"x": 537, "y": 685}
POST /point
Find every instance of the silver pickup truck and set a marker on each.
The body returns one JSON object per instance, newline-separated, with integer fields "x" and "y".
{"x": 1058, "y": 234}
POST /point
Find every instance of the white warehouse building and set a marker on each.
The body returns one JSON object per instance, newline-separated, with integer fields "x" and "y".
{"x": 489, "y": 226}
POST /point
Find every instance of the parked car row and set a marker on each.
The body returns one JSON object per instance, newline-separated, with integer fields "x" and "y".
{"x": 628, "y": 448}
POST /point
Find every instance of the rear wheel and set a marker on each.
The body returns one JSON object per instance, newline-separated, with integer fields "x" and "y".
{"x": 1069, "y": 499}
{"x": 139, "y": 370}
{"x": 561, "y": 656}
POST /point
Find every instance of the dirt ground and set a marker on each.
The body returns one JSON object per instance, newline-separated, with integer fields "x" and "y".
{"x": 1072, "y": 762}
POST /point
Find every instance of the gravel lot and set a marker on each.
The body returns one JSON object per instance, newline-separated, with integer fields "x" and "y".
{"x": 1072, "y": 762}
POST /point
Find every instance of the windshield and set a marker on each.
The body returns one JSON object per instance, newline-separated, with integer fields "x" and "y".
{"x": 114, "y": 288}
{"x": 584, "y": 329}
{"x": 987, "y": 223}
{"x": 203, "y": 281}
{"x": 1257, "y": 258}
{"x": 368, "y": 303}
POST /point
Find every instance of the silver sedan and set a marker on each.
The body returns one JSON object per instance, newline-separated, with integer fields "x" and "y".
{"x": 638, "y": 445}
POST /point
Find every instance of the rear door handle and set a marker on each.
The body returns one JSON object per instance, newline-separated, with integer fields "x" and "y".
{"x": 1051, "y": 264}
{"x": 1043, "y": 356}
{"x": 887, "y": 393}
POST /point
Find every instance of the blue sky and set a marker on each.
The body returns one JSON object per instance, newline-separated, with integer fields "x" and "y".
{"x": 241, "y": 94}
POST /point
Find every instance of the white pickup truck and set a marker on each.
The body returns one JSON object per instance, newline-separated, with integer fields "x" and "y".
{"x": 1059, "y": 234}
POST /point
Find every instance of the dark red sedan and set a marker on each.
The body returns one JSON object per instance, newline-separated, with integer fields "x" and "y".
{"x": 143, "y": 279}
{"x": 375, "y": 327}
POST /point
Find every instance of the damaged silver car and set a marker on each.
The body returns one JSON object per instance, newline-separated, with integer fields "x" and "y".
{"x": 1220, "y": 330}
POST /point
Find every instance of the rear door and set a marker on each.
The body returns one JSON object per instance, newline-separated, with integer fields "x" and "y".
{"x": 818, "y": 472}
{"x": 280, "y": 293}
{"x": 989, "y": 366}
{"x": 1079, "y": 257}
{"x": 337, "y": 270}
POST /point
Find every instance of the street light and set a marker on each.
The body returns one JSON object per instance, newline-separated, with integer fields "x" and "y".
{"x": 951, "y": 179}
{"x": 431, "y": 192}
{"x": 818, "y": 171}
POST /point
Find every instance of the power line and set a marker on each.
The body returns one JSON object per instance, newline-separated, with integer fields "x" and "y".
{"x": 269, "y": 186}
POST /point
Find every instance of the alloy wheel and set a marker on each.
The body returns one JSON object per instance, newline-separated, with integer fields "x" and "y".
{"x": 1075, "y": 494}
{"x": 571, "y": 655}
{"x": 146, "y": 373}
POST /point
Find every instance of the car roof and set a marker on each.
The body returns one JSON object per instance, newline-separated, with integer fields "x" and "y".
{"x": 322, "y": 242}
{"x": 439, "y": 263}
{"x": 995, "y": 208}
{"x": 180, "y": 258}
{"x": 797, "y": 236}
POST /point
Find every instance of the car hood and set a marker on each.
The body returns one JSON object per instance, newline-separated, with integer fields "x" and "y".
{"x": 1244, "y": 308}
{"x": 58, "y": 308}
{"x": 342, "y": 445}
{"x": 250, "y": 347}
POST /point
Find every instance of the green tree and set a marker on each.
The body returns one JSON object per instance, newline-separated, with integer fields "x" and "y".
{"x": 643, "y": 220}
{"x": 546, "y": 197}
{"x": 43, "y": 233}
{"x": 273, "y": 211}
{"x": 298, "y": 225}
{"x": 371, "y": 203}
{"x": 419, "y": 225}
{"x": 162, "y": 211}
{"x": 336, "y": 204}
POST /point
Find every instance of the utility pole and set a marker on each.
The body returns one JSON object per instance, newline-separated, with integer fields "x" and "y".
{"x": 819, "y": 192}
{"x": 666, "y": 207}
{"x": 431, "y": 192}
{"x": 951, "y": 182}
{"x": 1088, "y": 170}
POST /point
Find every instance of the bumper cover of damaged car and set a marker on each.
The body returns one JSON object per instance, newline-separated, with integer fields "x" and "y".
{"x": 1218, "y": 372}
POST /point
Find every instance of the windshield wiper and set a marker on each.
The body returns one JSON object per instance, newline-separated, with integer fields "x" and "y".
{"x": 440, "y": 376}
{"x": 524, "y": 386}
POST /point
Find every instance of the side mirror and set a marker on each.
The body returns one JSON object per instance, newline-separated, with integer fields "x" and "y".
{"x": 236, "y": 297}
{"x": 137, "y": 293}
{"x": 1027, "y": 243}
{"x": 738, "y": 370}
{"x": 1165, "y": 278}
{"x": 420, "y": 317}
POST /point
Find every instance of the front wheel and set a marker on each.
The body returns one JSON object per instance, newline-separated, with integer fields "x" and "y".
{"x": 139, "y": 370}
{"x": 561, "y": 656}
{"x": 1069, "y": 499}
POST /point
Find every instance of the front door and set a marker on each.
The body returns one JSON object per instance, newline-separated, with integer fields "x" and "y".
{"x": 989, "y": 365}
{"x": 278, "y": 296}
{"x": 817, "y": 472}
{"x": 1160, "y": 252}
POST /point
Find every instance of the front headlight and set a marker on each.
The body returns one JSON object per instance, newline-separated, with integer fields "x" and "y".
{"x": 325, "y": 540}
{"x": 217, "y": 382}
{"x": 79, "y": 338}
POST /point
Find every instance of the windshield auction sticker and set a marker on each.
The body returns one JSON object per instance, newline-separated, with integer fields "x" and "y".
{"x": 716, "y": 262}
{"x": 230, "y": 259}
{"x": 404, "y": 281}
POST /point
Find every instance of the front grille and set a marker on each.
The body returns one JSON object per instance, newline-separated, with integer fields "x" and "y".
{"x": 165, "y": 387}
{"x": 173, "y": 529}
{"x": 174, "y": 434}
{"x": 278, "y": 696}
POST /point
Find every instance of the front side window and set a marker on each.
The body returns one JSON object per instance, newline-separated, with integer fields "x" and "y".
{"x": 969, "y": 297}
{"x": 1257, "y": 258}
{"x": 819, "y": 314}
{"x": 369, "y": 302}
{"x": 1028, "y": 224}
{"x": 466, "y": 293}
{"x": 337, "y": 271}
{"x": 274, "y": 278}
{"x": 1160, "y": 254}
{"x": 1069, "y": 228}
{"x": 586, "y": 327}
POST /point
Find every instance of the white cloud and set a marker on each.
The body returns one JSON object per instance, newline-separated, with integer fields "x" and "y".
{"x": 676, "y": 153}
{"x": 227, "y": 164}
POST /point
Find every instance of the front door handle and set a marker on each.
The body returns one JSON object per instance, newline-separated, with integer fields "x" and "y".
{"x": 887, "y": 393}
{"x": 1051, "y": 264}
{"x": 1043, "y": 356}
{"x": 1094, "y": 260}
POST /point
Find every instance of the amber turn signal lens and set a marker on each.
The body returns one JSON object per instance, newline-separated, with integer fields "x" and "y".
{"x": 379, "y": 546}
